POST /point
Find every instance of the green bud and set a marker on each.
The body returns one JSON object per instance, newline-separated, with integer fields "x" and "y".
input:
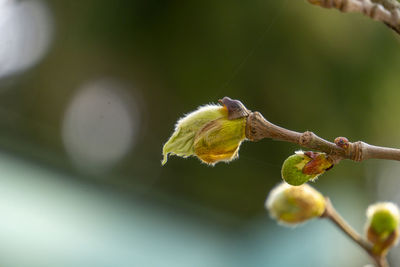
{"x": 304, "y": 166}
{"x": 292, "y": 205}
{"x": 382, "y": 226}
{"x": 213, "y": 133}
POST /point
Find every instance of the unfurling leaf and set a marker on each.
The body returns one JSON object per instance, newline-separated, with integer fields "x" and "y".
{"x": 213, "y": 133}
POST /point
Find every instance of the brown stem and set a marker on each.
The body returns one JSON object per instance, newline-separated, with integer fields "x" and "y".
{"x": 331, "y": 214}
{"x": 258, "y": 128}
{"x": 387, "y": 11}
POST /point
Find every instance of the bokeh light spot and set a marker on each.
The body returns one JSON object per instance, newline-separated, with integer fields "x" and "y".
{"x": 25, "y": 33}
{"x": 100, "y": 125}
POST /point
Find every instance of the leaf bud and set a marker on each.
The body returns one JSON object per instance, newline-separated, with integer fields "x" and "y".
{"x": 304, "y": 166}
{"x": 292, "y": 205}
{"x": 382, "y": 226}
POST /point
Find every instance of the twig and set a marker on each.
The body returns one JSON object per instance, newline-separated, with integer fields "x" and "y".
{"x": 387, "y": 11}
{"x": 331, "y": 214}
{"x": 258, "y": 128}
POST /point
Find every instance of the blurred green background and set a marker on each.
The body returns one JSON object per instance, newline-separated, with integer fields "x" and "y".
{"x": 91, "y": 90}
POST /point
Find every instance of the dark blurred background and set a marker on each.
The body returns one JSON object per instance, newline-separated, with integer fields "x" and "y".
{"x": 91, "y": 90}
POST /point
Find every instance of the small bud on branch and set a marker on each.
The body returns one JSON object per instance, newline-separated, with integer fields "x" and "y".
{"x": 292, "y": 205}
{"x": 304, "y": 166}
{"x": 382, "y": 226}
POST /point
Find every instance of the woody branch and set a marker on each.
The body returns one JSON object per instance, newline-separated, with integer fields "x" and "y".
{"x": 387, "y": 11}
{"x": 258, "y": 128}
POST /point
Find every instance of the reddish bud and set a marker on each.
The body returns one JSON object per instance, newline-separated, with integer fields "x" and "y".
{"x": 342, "y": 142}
